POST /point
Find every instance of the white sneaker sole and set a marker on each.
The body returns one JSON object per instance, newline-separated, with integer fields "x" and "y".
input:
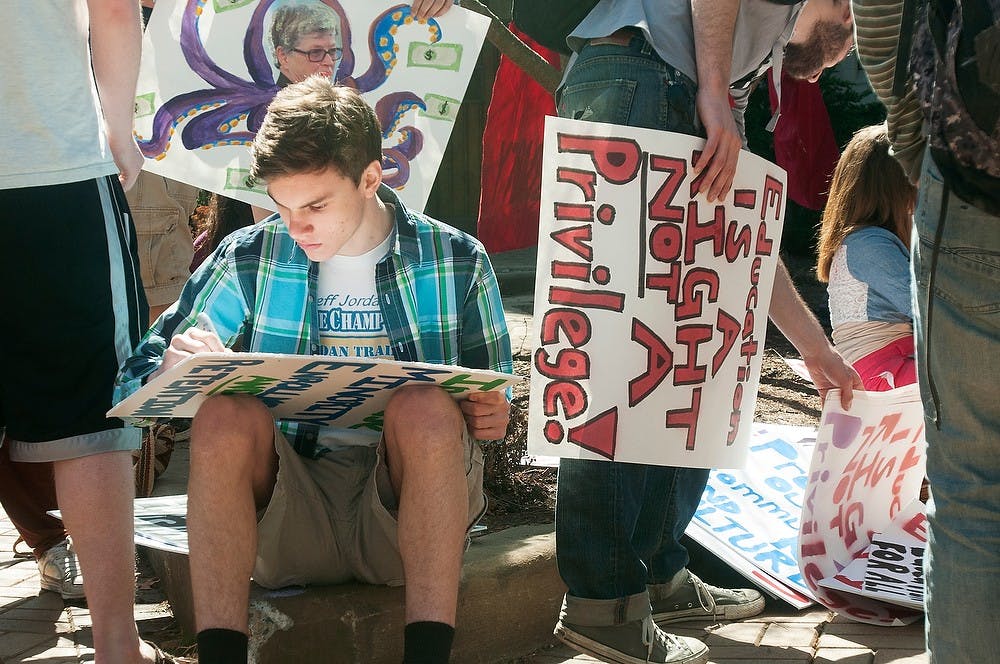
{"x": 57, "y": 588}
{"x": 605, "y": 654}
{"x": 722, "y": 612}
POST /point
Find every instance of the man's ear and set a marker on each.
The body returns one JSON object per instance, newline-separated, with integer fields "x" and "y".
{"x": 846, "y": 15}
{"x": 281, "y": 57}
{"x": 371, "y": 178}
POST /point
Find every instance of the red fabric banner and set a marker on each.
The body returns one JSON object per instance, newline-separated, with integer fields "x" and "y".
{"x": 804, "y": 144}
{"x": 512, "y": 155}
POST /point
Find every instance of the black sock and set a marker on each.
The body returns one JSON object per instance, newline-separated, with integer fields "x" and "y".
{"x": 427, "y": 643}
{"x": 222, "y": 646}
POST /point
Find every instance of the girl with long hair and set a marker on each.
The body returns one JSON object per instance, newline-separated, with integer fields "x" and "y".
{"x": 864, "y": 258}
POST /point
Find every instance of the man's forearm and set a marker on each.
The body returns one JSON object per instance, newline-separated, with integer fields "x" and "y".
{"x": 115, "y": 45}
{"x": 714, "y": 25}
{"x": 791, "y": 315}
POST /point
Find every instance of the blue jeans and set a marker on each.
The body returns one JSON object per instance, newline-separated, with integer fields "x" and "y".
{"x": 618, "y": 525}
{"x": 956, "y": 270}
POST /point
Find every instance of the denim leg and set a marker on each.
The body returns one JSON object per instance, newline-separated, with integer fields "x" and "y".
{"x": 618, "y": 525}
{"x": 957, "y": 323}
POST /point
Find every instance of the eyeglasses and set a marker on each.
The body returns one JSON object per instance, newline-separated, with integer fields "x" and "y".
{"x": 318, "y": 54}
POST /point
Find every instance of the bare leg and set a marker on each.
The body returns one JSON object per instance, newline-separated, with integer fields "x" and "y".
{"x": 95, "y": 496}
{"x": 233, "y": 468}
{"x": 423, "y": 433}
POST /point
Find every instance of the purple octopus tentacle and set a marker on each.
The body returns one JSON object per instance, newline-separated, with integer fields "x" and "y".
{"x": 195, "y": 53}
{"x": 256, "y": 117}
{"x": 172, "y": 113}
{"x": 391, "y": 108}
{"x": 254, "y": 53}
{"x": 346, "y": 65}
{"x": 411, "y": 141}
{"x": 382, "y": 44}
{"x": 395, "y": 168}
{"x": 218, "y": 126}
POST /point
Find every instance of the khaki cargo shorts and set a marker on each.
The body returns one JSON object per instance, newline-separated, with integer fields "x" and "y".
{"x": 333, "y": 519}
{"x": 160, "y": 211}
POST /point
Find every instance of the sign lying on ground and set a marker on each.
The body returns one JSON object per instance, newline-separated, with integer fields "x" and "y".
{"x": 750, "y": 518}
{"x": 891, "y": 569}
{"x": 867, "y": 468}
{"x": 650, "y": 304}
{"x": 209, "y": 70}
{"x": 305, "y": 388}
{"x": 160, "y": 523}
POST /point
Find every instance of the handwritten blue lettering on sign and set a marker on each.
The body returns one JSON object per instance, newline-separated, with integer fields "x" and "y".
{"x": 311, "y": 389}
{"x": 755, "y": 513}
{"x": 181, "y": 391}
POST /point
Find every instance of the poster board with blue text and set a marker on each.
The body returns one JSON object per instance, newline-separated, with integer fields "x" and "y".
{"x": 305, "y": 388}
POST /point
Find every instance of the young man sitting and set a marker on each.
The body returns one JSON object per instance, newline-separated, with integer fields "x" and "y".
{"x": 291, "y": 503}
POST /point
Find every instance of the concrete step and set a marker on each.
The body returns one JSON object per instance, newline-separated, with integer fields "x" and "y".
{"x": 508, "y": 603}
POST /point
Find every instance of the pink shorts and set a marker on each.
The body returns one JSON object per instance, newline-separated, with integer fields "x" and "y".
{"x": 889, "y": 367}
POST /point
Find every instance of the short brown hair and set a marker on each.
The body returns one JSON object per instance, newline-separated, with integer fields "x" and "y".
{"x": 315, "y": 125}
{"x": 869, "y": 188}
{"x": 292, "y": 22}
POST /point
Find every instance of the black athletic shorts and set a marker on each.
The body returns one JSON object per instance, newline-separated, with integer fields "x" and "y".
{"x": 72, "y": 309}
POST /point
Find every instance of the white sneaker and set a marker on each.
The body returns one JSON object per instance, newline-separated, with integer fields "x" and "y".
{"x": 60, "y": 571}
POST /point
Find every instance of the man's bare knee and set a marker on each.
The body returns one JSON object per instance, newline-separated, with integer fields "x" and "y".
{"x": 420, "y": 406}
{"x": 230, "y": 425}
{"x": 421, "y": 419}
{"x": 422, "y": 401}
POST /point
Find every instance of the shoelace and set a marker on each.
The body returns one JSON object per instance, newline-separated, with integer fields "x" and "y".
{"x": 651, "y": 636}
{"x": 702, "y": 592}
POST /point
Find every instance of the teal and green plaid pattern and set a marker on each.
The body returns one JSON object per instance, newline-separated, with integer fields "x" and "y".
{"x": 437, "y": 291}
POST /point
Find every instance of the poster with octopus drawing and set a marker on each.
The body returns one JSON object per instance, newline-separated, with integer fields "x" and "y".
{"x": 210, "y": 68}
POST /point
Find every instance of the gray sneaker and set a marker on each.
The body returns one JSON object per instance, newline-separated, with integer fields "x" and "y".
{"x": 60, "y": 571}
{"x": 697, "y": 600}
{"x": 636, "y": 642}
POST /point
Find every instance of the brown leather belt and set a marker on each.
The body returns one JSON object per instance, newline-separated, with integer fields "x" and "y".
{"x": 620, "y": 37}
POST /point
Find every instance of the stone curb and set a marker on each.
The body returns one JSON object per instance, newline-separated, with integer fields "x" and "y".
{"x": 508, "y": 602}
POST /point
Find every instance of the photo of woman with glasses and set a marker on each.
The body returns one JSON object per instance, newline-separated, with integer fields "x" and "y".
{"x": 305, "y": 36}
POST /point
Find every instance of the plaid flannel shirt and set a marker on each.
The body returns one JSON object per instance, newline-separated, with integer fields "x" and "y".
{"x": 437, "y": 293}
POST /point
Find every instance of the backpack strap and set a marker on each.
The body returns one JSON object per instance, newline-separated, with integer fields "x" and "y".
{"x": 907, "y": 21}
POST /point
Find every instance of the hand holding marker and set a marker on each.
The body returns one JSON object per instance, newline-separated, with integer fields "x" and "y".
{"x": 203, "y": 322}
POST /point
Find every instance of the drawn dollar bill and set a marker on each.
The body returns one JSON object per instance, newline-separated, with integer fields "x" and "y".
{"x": 144, "y": 104}
{"x": 435, "y": 56}
{"x": 236, "y": 178}
{"x": 224, "y": 5}
{"x": 440, "y": 107}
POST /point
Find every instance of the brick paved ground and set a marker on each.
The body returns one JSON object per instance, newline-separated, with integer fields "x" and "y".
{"x": 39, "y": 627}
{"x": 812, "y": 636}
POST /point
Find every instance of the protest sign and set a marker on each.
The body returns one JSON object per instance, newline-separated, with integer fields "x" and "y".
{"x": 891, "y": 569}
{"x": 750, "y": 518}
{"x": 866, "y": 469}
{"x": 650, "y": 303}
{"x": 305, "y": 388}
{"x": 159, "y": 523}
{"x": 209, "y": 71}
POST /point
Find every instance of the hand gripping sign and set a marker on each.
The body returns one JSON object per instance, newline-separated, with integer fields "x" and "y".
{"x": 866, "y": 470}
{"x": 650, "y": 303}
